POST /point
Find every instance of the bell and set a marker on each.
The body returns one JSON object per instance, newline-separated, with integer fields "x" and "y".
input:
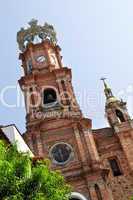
{"x": 50, "y": 97}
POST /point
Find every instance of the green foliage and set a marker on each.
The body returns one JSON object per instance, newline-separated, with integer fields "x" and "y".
{"x": 21, "y": 180}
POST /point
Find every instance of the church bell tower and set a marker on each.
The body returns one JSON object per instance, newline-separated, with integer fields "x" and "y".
{"x": 55, "y": 126}
{"x": 116, "y": 110}
{"x": 121, "y": 122}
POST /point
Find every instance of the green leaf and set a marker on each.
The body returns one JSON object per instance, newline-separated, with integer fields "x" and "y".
{"x": 20, "y": 179}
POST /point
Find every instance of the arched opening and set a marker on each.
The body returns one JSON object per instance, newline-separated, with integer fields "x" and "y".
{"x": 115, "y": 167}
{"x": 49, "y": 96}
{"x": 37, "y": 39}
{"x": 29, "y": 67}
{"x": 77, "y": 196}
{"x": 98, "y": 192}
{"x": 120, "y": 116}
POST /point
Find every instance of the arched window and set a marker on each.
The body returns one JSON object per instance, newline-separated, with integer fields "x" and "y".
{"x": 37, "y": 39}
{"x": 49, "y": 96}
{"x": 115, "y": 167}
{"x": 98, "y": 192}
{"x": 120, "y": 116}
{"x": 77, "y": 196}
{"x": 29, "y": 66}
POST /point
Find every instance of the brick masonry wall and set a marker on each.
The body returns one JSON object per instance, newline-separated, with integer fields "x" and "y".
{"x": 108, "y": 146}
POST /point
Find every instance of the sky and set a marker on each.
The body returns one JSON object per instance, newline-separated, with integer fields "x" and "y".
{"x": 96, "y": 38}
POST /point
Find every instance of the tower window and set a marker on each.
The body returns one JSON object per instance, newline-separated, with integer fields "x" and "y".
{"x": 49, "y": 96}
{"x": 98, "y": 192}
{"x": 120, "y": 116}
{"x": 29, "y": 67}
{"x": 115, "y": 167}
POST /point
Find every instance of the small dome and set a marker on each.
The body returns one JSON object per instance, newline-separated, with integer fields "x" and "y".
{"x": 111, "y": 100}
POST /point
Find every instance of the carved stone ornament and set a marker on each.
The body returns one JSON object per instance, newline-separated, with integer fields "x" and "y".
{"x": 35, "y": 31}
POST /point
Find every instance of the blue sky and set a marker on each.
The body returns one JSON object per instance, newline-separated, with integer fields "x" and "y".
{"x": 96, "y": 38}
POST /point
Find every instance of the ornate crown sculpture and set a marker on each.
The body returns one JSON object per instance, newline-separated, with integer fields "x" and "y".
{"x": 26, "y": 36}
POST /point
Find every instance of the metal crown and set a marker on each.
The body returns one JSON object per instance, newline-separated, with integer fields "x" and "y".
{"x": 26, "y": 36}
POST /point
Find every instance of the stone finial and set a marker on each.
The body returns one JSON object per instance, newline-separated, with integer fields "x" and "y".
{"x": 26, "y": 36}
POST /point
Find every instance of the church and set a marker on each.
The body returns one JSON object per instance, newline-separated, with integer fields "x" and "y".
{"x": 98, "y": 164}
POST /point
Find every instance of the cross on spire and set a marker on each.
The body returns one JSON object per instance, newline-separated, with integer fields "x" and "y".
{"x": 107, "y": 89}
{"x": 105, "y": 84}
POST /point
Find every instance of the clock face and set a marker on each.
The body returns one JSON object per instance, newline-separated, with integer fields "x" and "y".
{"x": 41, "y": 59}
